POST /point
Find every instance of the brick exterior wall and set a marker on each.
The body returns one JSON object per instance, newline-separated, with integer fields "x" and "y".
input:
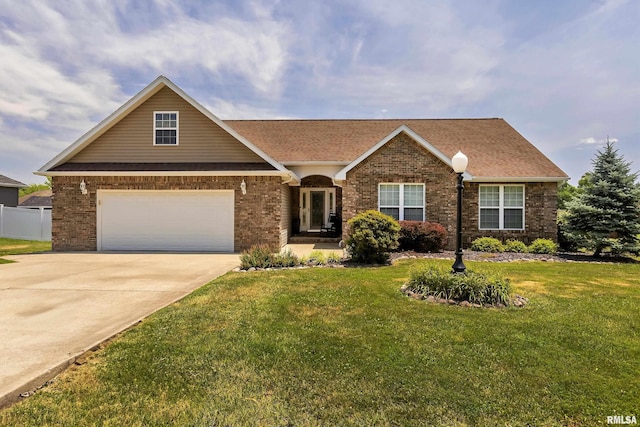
{"x": 541, "y": 205}
{"x": 257, "y": 215}
{"x": 402, "y": 160}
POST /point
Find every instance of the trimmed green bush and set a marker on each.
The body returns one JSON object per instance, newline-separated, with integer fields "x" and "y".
{"x": 475, "y": 287}
{"x": 371, "y": 236}
{"x": 543, "y": 246}
{"x": 487, "y": 244}
{"x": 513, "y": 245}
{"x": 422, "y": 236}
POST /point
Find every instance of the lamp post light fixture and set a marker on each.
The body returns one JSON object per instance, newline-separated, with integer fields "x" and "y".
{"x": 459, "y": 163}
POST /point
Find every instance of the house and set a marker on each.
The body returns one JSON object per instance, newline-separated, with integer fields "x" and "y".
{"x": 38, "y": 199}
{"x": 9, "y": 189}
{"x": 164, "y": 173}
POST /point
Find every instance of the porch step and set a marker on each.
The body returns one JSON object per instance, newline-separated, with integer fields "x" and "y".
{"x": 313, "y": 239}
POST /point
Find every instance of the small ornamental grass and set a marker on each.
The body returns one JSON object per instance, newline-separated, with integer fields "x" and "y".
{"x": 265, "y": 256}
{"x": 472, "y": 286}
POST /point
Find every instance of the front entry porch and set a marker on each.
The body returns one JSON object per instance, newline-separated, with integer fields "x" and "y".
{"x": 316, "y": 211}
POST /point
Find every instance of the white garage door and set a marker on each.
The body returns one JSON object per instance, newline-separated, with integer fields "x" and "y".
{"x": 165, "y": 220}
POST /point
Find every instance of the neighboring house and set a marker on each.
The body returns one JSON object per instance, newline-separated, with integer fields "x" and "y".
{"x": 164, "y": 173}
{"x": 38, "y": 199}
{"x": 9, "y": 189}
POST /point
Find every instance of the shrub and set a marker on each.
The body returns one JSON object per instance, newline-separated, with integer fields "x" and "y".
{"x": 371, "y": 236}
{"x": 258, "y": 256}
{"x": 265, "y": 256}
{"x": 487, "y": 244}
{"x": 472, "y": 286}
{"x": 422, "y": 236}
{"x": 543, "y": 246}
{"x": 513, "y": 245}
{"x": 286, "y": 258}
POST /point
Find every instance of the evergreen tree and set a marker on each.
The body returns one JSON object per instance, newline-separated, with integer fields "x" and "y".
{"x": 606, "y": 215}
{"x": 566, "y": 193}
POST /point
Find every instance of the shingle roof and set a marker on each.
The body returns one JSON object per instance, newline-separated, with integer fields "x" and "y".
{"x": 8, "y": 182}
{"x": 493, "y": 147}
{"x": 40, "y": 198}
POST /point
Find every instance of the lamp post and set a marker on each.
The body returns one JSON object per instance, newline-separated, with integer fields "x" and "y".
{"x": 459, "y": 163}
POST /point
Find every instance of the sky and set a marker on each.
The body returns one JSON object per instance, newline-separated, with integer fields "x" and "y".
{"x": 565, "y": 74}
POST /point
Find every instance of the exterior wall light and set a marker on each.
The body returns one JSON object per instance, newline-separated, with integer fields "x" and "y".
{"x": 243, "y": 187}
{"x": 83, "y": 187}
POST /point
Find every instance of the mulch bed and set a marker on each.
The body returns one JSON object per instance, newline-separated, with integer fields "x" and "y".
{"x": 513, "y": 256}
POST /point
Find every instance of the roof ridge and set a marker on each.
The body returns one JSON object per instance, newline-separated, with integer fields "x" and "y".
{"x": 364, "y": 120}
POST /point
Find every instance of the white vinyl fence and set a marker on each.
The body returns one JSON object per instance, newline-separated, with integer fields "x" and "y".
{"x": 26, "y": 224}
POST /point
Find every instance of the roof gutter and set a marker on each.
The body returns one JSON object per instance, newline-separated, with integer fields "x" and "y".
{"x": 520, "y": 179}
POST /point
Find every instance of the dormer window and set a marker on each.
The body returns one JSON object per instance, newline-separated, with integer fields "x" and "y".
{"x": 165, "y": 128}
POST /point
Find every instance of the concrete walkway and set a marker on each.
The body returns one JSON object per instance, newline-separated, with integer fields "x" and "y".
{"x": 56, "y": 306}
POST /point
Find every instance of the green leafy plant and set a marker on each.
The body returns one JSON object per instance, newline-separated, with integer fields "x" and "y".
{"x": 513, "y": 245}
{"x": 487, "y": 244}
{"x": 475, "y": 287}
{"x": 371, "y": 236}
{"x": 543, "y": 246}
{"x": 422, "y": 236}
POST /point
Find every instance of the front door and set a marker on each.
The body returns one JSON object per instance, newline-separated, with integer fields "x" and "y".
{"x": 317, "y": 209}
{"x": 315, "y": 206}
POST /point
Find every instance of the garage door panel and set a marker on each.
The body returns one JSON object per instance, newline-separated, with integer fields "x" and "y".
{"x": 172, "y": 220}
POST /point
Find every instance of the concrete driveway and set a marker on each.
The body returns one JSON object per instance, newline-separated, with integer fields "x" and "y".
{"x": 56, "y": 306}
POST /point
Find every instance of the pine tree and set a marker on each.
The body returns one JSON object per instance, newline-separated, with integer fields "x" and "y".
{"x": 606, "y": 216}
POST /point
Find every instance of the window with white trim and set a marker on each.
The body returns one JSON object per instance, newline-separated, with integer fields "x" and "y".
{"x": 404, "y": 202}
{"x": 165, "y": 128}
{"x": 501, "y": 207}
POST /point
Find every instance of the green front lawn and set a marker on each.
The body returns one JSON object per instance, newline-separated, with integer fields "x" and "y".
{"x": 345, "y": 347}
{"x": 16, "y": 247}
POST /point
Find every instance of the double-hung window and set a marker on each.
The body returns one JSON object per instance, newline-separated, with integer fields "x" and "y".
{"x": 404, "y": 202}
{"x": 165, "y": 128}
{"x": 502, "y": 207}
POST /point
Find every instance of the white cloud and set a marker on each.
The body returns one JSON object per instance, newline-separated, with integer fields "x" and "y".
{"x": 591, "y": 141}
{"x": 228, "y": 110}
{"x": 422, "y": 57}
